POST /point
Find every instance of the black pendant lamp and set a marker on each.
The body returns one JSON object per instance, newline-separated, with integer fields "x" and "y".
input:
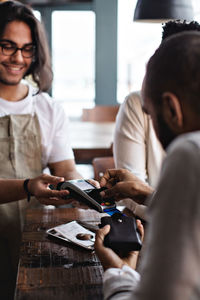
{"x": 163, "y": 10}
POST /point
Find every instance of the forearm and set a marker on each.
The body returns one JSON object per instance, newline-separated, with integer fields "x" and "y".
{"x": 143, "y": 192}
{"x": 11, "y": 190}
{"x": 66, "y": 169}
{"x": 69, "y": 175}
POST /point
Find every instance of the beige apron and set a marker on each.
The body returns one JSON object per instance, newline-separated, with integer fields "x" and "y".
{"x": 20, "y": 157}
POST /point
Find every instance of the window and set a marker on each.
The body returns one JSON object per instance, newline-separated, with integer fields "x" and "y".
{"x": 196, "y": 10}
{"x": 73, "y": 57}
{"x": 136, "y": 43}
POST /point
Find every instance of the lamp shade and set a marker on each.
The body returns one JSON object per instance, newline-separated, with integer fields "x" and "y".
{"x": 163, "y": 10}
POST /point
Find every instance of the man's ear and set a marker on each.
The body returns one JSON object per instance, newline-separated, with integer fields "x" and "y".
{"x": 172, "y": 111}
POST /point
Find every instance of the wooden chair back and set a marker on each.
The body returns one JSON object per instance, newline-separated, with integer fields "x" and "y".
{"x": 101, "y": 164}
{"x": 100, "y": 114}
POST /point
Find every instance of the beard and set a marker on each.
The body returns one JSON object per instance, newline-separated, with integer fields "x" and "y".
{"x": 164, "y": 133}
{"x": 10, "y": 79}
{"x": 10, "y": 82}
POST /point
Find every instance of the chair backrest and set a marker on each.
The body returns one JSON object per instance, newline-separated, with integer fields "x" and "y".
{"x": 100, "y": 113}
{"x": 101, "y": 164}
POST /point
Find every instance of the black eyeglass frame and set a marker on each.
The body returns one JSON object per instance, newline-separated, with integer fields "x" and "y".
{"x": 15, "y": 48}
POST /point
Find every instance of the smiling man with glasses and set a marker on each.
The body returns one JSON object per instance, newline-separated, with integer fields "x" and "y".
{"x": 15, "y": 64}
{"x": 34, "y": 131}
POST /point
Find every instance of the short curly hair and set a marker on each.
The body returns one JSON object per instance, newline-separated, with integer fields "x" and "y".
{"x": 177, "y": 26}
{"x": 175, "y": 67}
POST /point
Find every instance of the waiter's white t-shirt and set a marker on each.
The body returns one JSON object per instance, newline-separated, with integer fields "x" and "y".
{"x": 54, "y": 124}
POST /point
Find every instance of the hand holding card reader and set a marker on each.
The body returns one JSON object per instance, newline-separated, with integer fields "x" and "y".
{"x": 83, "y": 191}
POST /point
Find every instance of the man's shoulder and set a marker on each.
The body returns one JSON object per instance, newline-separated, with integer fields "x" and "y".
{"x": 133, "y": 98}
{"x": 34, "y": 94}
{"x": 184, "y": 152}
{"x": 132, "y": 103}
{"x": 42, "y": 96}
{"x": 131, "y": 114}
{"x": 43, "y": 99}
{"x": 187, "y": 142}
{"x": 45, "y": 105}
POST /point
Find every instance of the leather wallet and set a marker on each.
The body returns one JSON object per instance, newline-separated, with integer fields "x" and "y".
{"x": 123, "y": 236}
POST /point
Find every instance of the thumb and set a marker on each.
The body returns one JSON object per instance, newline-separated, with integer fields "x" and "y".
{"x": 52, "y": 179}
{"x": 100, "y": 235}
{"x": 111, "y": 192}
{"x": 105, "y": 230}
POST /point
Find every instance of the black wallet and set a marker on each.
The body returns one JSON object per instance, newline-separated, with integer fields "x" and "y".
{"x": 123, "y": 236}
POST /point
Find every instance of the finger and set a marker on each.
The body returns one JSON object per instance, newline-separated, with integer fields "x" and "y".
{"x": 118, "y": 197}
{"x": 47, "y": 193}
{"x": 110, "y": 173}
{"x": 94, "y": 182}
{"x": 52, "y": 201}
{"x": 100, "y": 235}
{"x": 78, "y": 204}
{"x": 104, "y": 180}
{"x": 111, "y": 183}
{"x": 109, "y": 192}
{"x": 52, "y": 179}
{"x": 140, "y": 228}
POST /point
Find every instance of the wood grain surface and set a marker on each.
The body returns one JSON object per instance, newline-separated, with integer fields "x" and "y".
{"x": 53, "y": 269}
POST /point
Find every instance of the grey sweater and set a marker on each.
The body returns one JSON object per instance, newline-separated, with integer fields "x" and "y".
{"x": 171, "y": 264}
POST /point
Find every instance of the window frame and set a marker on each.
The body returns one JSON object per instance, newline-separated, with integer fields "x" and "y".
{"x": 105, "y": 43}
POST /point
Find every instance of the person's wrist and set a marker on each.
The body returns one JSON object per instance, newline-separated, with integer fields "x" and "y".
{"x": 148, "y": 190}
{"x": 27, "y": 189}
{"x": 113, "y": 265}
{"x": 143, "y": 189}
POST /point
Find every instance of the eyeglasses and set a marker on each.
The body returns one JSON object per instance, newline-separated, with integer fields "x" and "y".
{"x": 9, "y": 49}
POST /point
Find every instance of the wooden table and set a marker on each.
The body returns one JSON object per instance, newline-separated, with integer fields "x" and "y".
{"x": 91, "y": 139}
{"x": 52, "y": 269}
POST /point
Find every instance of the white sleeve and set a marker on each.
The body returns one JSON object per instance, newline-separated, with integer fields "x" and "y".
{"x": 119, "y": 283}
{"x": 129, "y": 146}
{"x": 171, "y": 263}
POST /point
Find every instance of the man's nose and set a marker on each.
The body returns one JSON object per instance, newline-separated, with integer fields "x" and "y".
{"x": 18, "y": 57}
